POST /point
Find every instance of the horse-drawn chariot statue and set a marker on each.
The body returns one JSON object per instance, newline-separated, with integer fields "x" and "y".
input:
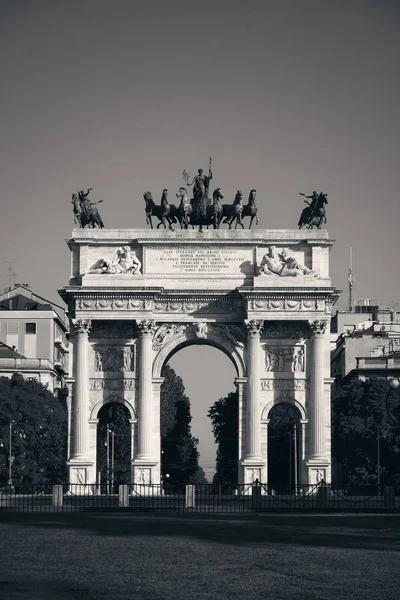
{"x": 200, "y": 210}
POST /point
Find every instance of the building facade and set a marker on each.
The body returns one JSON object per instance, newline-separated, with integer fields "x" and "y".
{"x": 36, "y": 330}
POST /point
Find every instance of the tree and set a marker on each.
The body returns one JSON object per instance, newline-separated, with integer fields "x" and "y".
{"x": 39, "y": 433}
{"x": 224, "y": 415}
{"x": 179, "y": 447}
{"x": 356, "y": 414}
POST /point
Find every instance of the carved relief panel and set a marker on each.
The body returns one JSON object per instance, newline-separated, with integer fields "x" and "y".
{"x": 284, "y": 358}
{"x": 113, "y": 358}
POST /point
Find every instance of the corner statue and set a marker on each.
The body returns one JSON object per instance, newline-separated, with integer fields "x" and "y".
{"x": 85, "y": 213}
{"x": 314, "y": 213}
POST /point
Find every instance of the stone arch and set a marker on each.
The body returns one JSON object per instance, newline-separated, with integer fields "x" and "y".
{"x": 283, "y": 399}
{"x": 112, "y": 398}
{"x": 212, "y": 338}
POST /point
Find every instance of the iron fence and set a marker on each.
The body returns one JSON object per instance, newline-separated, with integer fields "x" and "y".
{"x": 205, "y": 498}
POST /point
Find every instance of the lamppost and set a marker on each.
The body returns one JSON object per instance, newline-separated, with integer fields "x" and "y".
{"x": 293, "y": 443}
{"x": 110, "y": 457}
{"x": 10, "y": 456}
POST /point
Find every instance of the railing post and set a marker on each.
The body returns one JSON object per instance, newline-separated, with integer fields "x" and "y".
{"x": 58, "y": 496}
{"x": 190, "y": 496}
{"x": 123, "y": 495}
{"x": 322, "y": 494}
{"x": 388, "y": 496}
{"x": 256, "y": 495}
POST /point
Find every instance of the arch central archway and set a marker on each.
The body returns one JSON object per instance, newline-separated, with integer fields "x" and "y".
{"x": 208, "y": 376}
{"x": 171, "y": 338}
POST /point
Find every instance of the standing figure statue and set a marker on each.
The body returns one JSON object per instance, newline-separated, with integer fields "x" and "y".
{"x": 200, "y": 200}
{"x": 200, "y": 183}
{"x": 85, "y": 213}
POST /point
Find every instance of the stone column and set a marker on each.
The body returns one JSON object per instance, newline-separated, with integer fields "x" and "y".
{"x": 317, "y": 382}
{"x": 80, "y": 406}
{"x": 145, "y": 403}
{"x": 253, "y": 445}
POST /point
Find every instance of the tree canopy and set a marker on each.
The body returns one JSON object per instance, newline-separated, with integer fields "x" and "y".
{"x": 38, "y": 436}
{"x": 356, "y": 414}
{"x": 224, "y": 415}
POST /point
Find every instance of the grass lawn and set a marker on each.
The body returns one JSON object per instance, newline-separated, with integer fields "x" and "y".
{"x": 180, "y": 556}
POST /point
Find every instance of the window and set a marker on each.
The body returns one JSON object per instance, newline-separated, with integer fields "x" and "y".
{"x": 30, "y": 328}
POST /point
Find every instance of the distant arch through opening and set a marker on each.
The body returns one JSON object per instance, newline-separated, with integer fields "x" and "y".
{"x": 284, "y": 446}
{"x": 114, "y": 447}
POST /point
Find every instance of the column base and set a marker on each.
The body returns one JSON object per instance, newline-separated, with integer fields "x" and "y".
{"x": 318, "y": 469}
{"x": 145, "y": 476}
{"x": 79, "y": 477}
{"x": 252, "y": 469}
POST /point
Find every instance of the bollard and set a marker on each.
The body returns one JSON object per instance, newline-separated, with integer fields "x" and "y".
{"x": 57, "y": 496}
{"x": 388, "y": 496}
{"x": 190, "y": 496}
{"x": 123, "y": 496}
{"x": 256, "y": 496}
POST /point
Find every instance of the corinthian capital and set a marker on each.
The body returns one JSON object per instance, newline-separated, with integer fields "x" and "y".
{"x": 318, "y": 328}
{"x": 146, "y": 327}
{"x": 254, "y": 327}
{"x": 81, "y": 326}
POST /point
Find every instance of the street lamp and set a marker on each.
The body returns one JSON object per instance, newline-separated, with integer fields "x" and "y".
{"x": 394, "y": 386}
{"x": 110, "y": 456}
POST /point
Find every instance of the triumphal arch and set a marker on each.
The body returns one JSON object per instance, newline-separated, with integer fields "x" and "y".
{"x": 263, "y": 297}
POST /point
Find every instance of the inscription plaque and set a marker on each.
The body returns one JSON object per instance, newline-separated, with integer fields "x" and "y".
{"x": 198, "y": 260}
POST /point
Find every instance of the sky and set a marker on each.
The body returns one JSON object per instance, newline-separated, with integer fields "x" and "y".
{"x": 121, "y": 96}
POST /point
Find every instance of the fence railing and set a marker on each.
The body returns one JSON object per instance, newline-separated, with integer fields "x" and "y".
{"x": 197, "y": 498}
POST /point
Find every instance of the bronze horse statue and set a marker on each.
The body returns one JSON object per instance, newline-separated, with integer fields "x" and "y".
{"x": 250, "y": 209}
{"x": 234, "y": 211}
{"x": 184, "y": 209}
{"x": 317, "y": 216}
{"x": 87, "y": 215}
{"x": 165, "y": 212}
{"x": 214, "y": 210}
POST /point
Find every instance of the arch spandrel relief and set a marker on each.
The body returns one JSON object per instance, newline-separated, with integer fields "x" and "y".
{"x": 229, "y": 338}
{"x": 200, "y": 288}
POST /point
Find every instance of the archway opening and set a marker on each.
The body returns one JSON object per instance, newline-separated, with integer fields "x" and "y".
{"x": 284, "y": 447}
{"x": 207, "y": 376}
{"x": 113, "y": 447}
